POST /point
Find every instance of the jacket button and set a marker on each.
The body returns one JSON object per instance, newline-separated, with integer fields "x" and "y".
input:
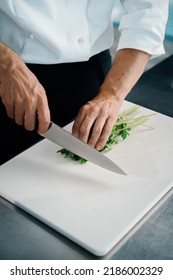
{"x": 81, "y": 40}
{"x": 31, "y": 36}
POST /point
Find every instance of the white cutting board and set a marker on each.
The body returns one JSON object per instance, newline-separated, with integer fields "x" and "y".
{"x": 92, "y": 206}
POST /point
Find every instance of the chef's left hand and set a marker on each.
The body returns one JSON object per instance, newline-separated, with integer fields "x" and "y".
{"x": 96, "y": 119}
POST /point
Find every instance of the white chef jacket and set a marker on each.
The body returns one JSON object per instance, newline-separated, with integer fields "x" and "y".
{"x": 58, "y": 31}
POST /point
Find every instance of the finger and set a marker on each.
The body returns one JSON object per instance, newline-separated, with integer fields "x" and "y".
{"x": 9, "y": 106}
{"x": 78, "y": 121}
{"x": 87, "y": 124}
{"x": 30, "y": 119}
{"x": 107, "y": 129}
{"x": 43, "y": 115}
{"x": 10, "y": 110}
{"x": 37, "y": 111}
{"x": 19, "y": 112}
{"x": 19, "y": 116}
{"x": 85, "y": 128}
{"x": 30, "y": 112}
{"x": 43, "y": 112}
{"x": 97, "y": 130}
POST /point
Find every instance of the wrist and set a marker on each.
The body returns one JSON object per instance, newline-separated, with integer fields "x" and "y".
{"x": 4, "y": 51}
{"x": 7, "y": 59}
{"x": 115, "y": 90}
{"x": 126, "y": 69}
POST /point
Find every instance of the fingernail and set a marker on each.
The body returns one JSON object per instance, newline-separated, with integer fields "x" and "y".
{"x": 98, "y": 147}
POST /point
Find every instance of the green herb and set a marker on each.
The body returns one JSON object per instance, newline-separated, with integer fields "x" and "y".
{"x": 126, "y": 121}
{"x": 71, "y": 155}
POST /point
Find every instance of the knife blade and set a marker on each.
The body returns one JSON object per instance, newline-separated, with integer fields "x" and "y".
{"x": 63, "y": 138}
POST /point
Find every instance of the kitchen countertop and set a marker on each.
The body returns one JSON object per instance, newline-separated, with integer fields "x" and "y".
{"x": 24, "y": 237}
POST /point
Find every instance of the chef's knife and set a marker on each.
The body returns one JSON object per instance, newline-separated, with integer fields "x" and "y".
{"x": 66, "y": 140}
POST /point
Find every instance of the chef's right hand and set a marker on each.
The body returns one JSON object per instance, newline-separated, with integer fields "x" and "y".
{"x": 22, "y": 95}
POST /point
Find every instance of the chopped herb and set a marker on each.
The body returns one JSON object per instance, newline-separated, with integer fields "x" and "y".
{"x": 71, "y": 155}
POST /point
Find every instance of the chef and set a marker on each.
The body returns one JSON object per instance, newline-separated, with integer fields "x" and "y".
{"x": 55, "y": 65}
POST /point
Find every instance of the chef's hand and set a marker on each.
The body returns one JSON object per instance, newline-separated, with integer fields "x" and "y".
{"x": 96, "y": 118}
{"x": 22, "y": 95}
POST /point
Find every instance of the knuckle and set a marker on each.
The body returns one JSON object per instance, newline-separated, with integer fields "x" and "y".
{"x": 88, "y": 119}
{"x": 103, "y": 138}
{"x": 111, "y": 119}
{"x": 106, "y": 132}
{"x": 8, "y": 103}
{"x": 42, "y": 97}
{"x": 96, "y": 131}
{"x": 85, "y": 107}
{"x": 30, "y": 101}
{"x": 90, "y": 105}
{"x": 82, "y": 130}
{"x": 96, "y": 107}
{"x": 18, "y": 101}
